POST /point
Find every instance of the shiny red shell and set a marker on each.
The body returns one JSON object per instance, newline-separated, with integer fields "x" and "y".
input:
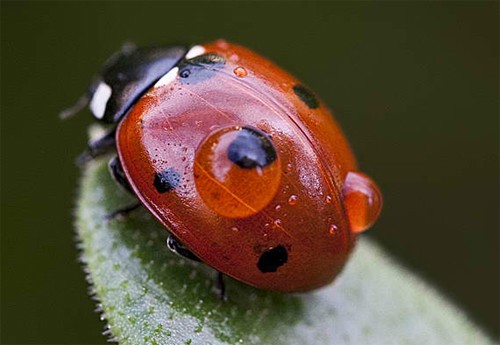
{"x": 230, "y": 217}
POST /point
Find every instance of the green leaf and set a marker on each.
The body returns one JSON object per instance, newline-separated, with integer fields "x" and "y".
{"x": 151, "y": 296}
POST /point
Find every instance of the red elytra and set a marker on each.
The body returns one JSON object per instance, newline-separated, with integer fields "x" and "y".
{"x": 281, "y": 226}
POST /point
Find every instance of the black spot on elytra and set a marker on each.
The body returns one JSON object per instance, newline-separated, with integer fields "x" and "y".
{"x": 273, "y": 258}
{"x": 166, "y": 180}
{"x": 251, "y": 148}
{"x": 306, "y": 96}
{"x": 200, "y": 68}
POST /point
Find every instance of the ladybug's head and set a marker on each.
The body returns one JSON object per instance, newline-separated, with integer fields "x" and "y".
{"x": 125, "y": 77}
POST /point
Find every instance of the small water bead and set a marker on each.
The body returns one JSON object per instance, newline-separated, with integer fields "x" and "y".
{"x": 223, "y": 44}
{"x": 277, "y": 222}
{"x": 332, "y": 229}
{"x": 292, "y": 200}
{"x": 234, "y": 58}
{"x": 278, "y": 207}
{"x": 328, "y": 199}
{"x": 240, "y": 72}
{"x": 362, "y": 201}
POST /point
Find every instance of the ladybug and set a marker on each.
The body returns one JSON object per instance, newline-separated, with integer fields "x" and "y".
{"x": 241, "y": 162}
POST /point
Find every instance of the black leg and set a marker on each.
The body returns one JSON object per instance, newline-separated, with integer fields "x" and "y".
{"x": 221, "y": 286}
{"x": 116, "y": 171}
{"x": 178, "y": 248}
{"x": 123, "y": 212}
{"x": 98, "y": 147}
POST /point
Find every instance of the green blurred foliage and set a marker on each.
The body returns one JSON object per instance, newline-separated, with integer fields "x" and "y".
{"x": 414, "y": 85}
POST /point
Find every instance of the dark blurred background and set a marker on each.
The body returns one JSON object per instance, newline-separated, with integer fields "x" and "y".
{"x": 415, "y": 86}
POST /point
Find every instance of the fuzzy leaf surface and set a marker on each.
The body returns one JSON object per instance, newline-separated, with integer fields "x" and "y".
{"x": 150, "y": 296}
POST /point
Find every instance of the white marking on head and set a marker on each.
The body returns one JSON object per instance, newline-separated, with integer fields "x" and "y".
{"x": 168, "y": 78}
{"x": 100, "y": 99}
{"x": 194, "y": 52}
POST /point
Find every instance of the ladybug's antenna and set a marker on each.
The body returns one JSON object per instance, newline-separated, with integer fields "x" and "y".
{"x": 81, "y": 103}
